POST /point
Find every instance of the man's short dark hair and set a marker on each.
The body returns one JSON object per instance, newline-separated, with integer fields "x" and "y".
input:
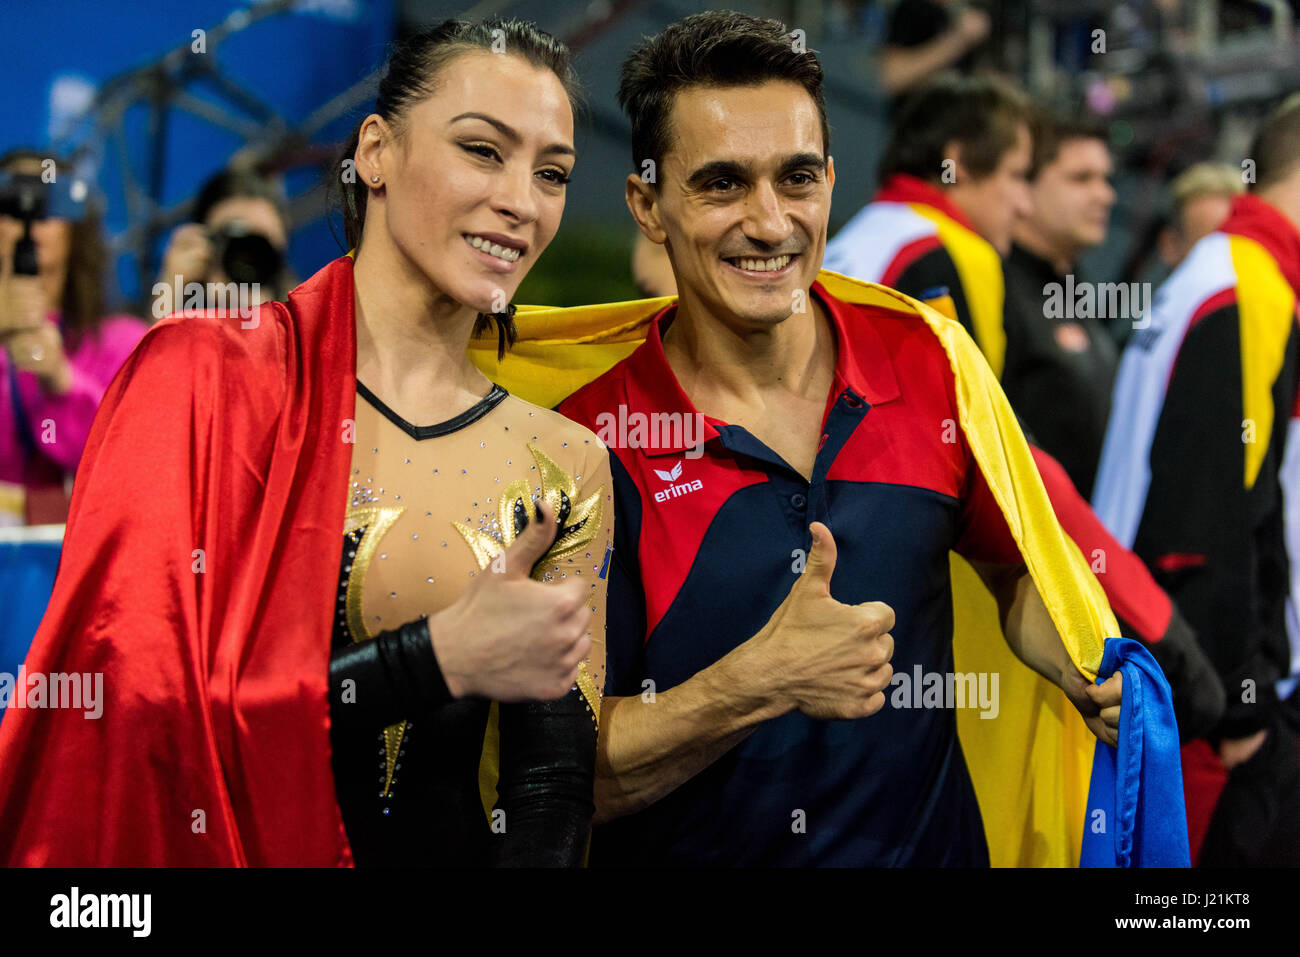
{"x": 717, "y": 49}
{"x": 1052, "y": 131}
{"x": 983, "y": 114}
{"x": 1276, "y": 148}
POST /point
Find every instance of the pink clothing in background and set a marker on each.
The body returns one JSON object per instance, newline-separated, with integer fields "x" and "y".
{"x": 60, "y": 424}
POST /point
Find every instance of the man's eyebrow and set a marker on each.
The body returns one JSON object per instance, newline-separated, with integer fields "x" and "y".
{"x": 510, "y": 133}
{"x": 815, "y": 160}
{"x": 730, "y": 169}
{"x": 716, "y": 169}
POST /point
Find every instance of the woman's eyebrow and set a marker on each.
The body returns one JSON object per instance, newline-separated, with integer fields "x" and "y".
{"x": 510, "y": 133}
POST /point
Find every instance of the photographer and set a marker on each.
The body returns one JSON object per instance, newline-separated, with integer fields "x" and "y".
{"x": 238, "y": 234}
{"x": 60, "y": 350}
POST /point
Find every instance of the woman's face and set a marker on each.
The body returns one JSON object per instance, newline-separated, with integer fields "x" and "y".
{"x": 53, "y": 237}
{"x": 474, "y": 186}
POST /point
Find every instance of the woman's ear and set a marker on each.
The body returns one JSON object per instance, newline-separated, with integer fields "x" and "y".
{"x": 372, "y": 142}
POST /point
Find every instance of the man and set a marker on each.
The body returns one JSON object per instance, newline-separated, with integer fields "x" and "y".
{"x": 1200, "y": 476}
{"x": 953, "y": 184}
{"x": 1060, "y": 359}
{"x": 1143, "y": 611}
{"x": 1202, "y": 198}
{"x": 749, "y": 651}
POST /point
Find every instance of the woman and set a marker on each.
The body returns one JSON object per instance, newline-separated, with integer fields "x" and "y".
{"x": 60, "y": 351}
{"x": 206, "y": 595}
{"x": 238, "y": 233}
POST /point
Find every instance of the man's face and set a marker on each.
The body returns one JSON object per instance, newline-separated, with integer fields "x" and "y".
{"x": 1072, "y": 196}
{"x": 994, "y": 203}
{"x": 1200, "y": 216}
{"x": 744, "y": 199}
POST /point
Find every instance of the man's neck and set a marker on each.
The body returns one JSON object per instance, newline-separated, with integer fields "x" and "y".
{"x": 411, "y": 338}
{"x": 1034, "y": 240}
{"x": 1285, "y": 198}
{"x": 718, "y": 361}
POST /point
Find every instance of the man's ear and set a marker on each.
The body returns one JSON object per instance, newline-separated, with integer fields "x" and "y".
{"x": 952, "y": 172}
{"x": 372, "y": 141}
{"x": 643, "y": 203}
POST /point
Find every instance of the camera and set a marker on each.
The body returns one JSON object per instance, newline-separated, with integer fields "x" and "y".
{"x": 29, "y": 198}
{"x": 246, "y": 256}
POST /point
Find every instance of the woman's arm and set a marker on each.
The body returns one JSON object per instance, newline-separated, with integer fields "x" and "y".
{"x": 548, "y": 749}
{"x": 388, "y": 679}
{"x": 548, "y": 763}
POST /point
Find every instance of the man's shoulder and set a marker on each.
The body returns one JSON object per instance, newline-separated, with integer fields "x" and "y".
{"x": 877, "y": 234}
{"x": 901, "y": 329}
{"x": 602, "y": 394}
{"x": 1204, "y": 283}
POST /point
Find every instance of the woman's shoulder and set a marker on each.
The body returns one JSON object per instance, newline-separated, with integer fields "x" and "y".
{"x": 257, "y": 338}
{"x": 555, "y": 431}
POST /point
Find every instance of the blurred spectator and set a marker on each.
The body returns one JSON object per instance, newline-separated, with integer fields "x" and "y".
{"x": 926, "y": 37}
{"x": 1202, "y": 198}
{"x": 239, "y": 233}
{"x": 1060, "y": 359}
{"x": 60, "y": 350}
{"x": 1200, "y": 463}
{"x": 953, "y": 185}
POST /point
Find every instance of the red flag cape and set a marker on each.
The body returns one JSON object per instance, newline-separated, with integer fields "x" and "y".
{"x": 197, "y": 577}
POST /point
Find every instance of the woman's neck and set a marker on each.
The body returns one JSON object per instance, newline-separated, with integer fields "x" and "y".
{"x": 412, "y": 339}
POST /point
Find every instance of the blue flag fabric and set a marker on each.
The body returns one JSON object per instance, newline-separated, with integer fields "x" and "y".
{"x": 1136, "y": 816}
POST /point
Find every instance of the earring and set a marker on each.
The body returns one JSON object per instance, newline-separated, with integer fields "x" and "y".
{"x": 374, "y": 178}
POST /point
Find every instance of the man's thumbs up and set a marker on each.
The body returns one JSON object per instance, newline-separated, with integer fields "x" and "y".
{"x": 821, "y": 559}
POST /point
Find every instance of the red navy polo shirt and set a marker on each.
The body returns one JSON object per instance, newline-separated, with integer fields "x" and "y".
{"x": 706, "y": 548}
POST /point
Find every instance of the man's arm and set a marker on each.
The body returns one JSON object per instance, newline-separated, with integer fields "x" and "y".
{"x": 1031, "y": 634}
{"x": 650, "y": 745}
{"x": 903, "y": 67}
{"x": 816, "y": 655}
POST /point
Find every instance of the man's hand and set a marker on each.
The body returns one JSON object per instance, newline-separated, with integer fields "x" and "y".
{"x": 511, "y": 638}
{"x": 1099, "y": 704}
{"x": 826, "y": 659}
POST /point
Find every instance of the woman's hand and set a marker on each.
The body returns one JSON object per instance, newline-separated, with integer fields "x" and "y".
{"x": 187, "y": 258}
{"x": 510, "y": 638}
{"x": 33, "y": 342}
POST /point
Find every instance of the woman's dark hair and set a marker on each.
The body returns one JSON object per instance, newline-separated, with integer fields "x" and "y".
{"x": 709, "y": 49}
{"x": 238, "y": 183}
{"x": 82, "y": 302}
{"x": 983, "y": 114}
{"x": 412, "y": 75}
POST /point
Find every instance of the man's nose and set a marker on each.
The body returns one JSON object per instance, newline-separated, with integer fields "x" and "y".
{"x": 765, "y": 219}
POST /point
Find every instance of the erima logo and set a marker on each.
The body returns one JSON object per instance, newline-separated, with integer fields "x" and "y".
{"x": 673, "y": 491}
